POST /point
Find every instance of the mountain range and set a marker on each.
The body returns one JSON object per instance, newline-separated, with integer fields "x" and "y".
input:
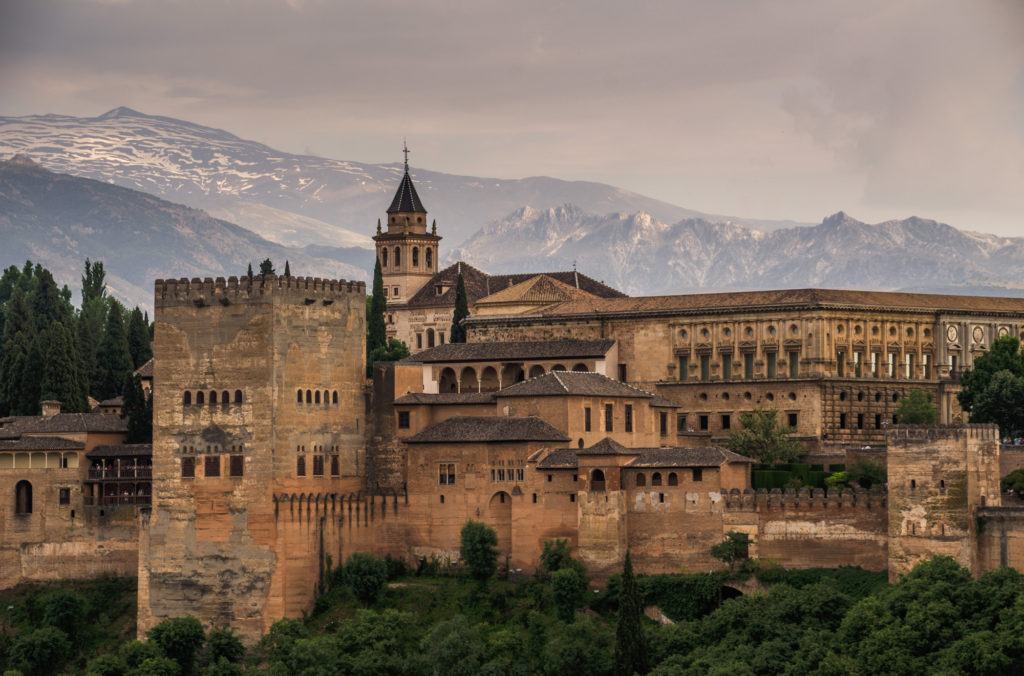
{"x": 319, "y": 213}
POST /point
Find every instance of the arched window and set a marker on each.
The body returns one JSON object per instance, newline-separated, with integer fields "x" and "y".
{"x": 580, "y": 368}
{"x": 187, "y": 399}
{"x": 298, "y": 396}
{"x": 238, "y": 396}
{"x": 430, "y": 337}
{"x": 673, "y": 480}
{"x": 213, "y": 397}
{"x": 334, "y": 397}
{"x": 309, "y": 396}
{"x": 597, "y": 480}
{"x": 415, "y": 256}
{"x": 384, "y": 257}
{"x": 398, "y": 256}
{"x": 200, "y": 398}
{"x": 23, "y": 498}
{"x": 430, "y": 258}
{"x": 448, "y": 382}
{"x": 225, "y": 397}
{"x": 656, "y": 479}
{"x": 536, "y": 370}
{"x": 327, "y": 396}
{"x": 641, "y": 480}
{"x": 316, "y": 397}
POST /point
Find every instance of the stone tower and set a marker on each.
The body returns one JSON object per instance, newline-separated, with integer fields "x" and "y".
{"x": 259, "y": 423}
{"x": 407, "y": 251}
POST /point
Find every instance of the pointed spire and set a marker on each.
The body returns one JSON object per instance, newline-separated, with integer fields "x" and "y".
{"x": 378, "y": 226}
{"x": 405, "y": 149}
{"x": 433, "y": 227}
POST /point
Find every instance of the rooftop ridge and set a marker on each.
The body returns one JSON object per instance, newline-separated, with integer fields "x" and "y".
{"x": 240, "y": 289}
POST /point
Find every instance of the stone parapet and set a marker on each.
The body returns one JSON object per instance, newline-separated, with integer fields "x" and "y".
{"x": 764, "y": 500}
{"x": 929, "y": 434}
{"x": 296, "y": 290}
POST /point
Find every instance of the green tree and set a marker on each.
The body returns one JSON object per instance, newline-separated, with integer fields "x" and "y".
{"x": 455, "y": 647}
{"x": 866, "y": 472}
{"x": 479, "y": 549}
{"x": 1003, "y": 355}
{"x": 458, "y": 332}
{"x": 61, "y": 372}
{"x": 223, "y": 643}
{"x": 41, "y": 652}
{"x": 1014, "y": 481}
{"x": 267, "y": 267}
{"x": 138, "y": 409}
{"x": 11, "y": 368}
{"x": 180, "y": 639}
{"x": 249, "y": 274}
{"x": 569, "y": 589}
{"x": 105, "y": 665}
{"x": 114, "y": 357}
{"x": 732, "y": 548}
{"x": 917, "y": 408}
{"x": 376, "y": 330}
{"x": 94, "y": 283}
{"x": 64, "y": 610}
{"x": 763, "y": 438}
{"x": 287, "y": 269}
{"x": 630, "y": 641}
{"x": 365, "y": 575}
{"x": 1001, "y": 402}
{"x": 395, "y": 350}
{"x": 139, "y": 346}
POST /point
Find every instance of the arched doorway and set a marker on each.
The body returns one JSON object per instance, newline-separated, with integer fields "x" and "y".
{"x": 448, "y": 383}
{"x": 489, "y": 380}
{"x": 597, "y": 480}
{"x": 468, "y": 383}
{"x": 499, "y": 517}
{"x": 23, "y": 498}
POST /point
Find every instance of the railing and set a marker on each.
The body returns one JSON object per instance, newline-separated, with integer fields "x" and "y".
{"x": 114, "y": 473}
{"x": 120, "y": 500}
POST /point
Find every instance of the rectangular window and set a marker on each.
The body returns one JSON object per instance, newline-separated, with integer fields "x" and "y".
{"x": 629, "y": 417}
{"x": 335, "y": 466}
{"x": 680, "y": 422}
{"x": 909, "y": 366}
{"x": 586, "y": 419}
{"x": 953, "y": 365}
{"x": 494, "y": 475}
{"x": 501, "y": 475}
{"x": 519, "y": 475}
{"x": 608, "y": 427}
{"x": 771, "y": 357}
{"x": 622, "y": 373}
{"x": 188, "y": 468}
{"x": 698, "y": 474}
{"x": 840, "y": 363}
{"x": 385, "y": 292}
{"x": 748, "y": 365}
{"x": 403, "y": 420}
{"x": 684, "y": 368}
{"x": 726, "y": 367}
{"x": 875, "y": 359}
{"x": 446, "y": 474}
{"x": 928, "y": 367}
{"x": 860, "y": 421}
{"x": 419, "y": 341}
{"x": 534, "y": 498}
{"x": 705, "y": 367}
{"x": 394, "y": 292}
{"x": 858, "y": 368}
{"x": 211, "y": 465}
{"x": 300, "y": 466}
{"x": 549, "y": 478}
{"x": 791, "y": 420}
{"x": 572, "y": 498}
{"x": 891, "y": 365}
{"x": 794, "y": 363}
{"x": 318, "y": 465}
{"x": 64, "y": 496}
{"x": 726, "y": 421}
{"x": 842, "y": 421}
{"x": 663, "y": 423}
{"x": 703, "y": 423}
{"x": 236, "y": 466}
{"x": 878, "y": 421}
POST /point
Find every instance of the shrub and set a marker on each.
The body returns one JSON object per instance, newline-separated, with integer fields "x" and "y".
{"x": 43, "y": 651}
{"x": 365, "y": 575}
{"x": 180, "y": 638}
{"x": 479, "y": 549}
{"x": 866, "y": 472}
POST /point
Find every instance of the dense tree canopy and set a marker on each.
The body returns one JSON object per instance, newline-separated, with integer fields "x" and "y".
{"x": 479, "y": 549}
{"x": 762, "y": 437}
{"x": 458, "y": 331}
{"x": 917, "y": 408}
{"x": 993, "y": 390}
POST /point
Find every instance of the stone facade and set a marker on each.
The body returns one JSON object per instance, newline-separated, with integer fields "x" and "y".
{"x": 259, "y": 427}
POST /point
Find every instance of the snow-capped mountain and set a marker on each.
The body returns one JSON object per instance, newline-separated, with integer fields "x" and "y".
{"x": 290, "y": 199}
{"x": 59, "y": 220}
{"x": 641, "y": 255}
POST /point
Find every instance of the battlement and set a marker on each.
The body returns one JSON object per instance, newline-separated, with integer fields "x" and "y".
{"x": 790, "y": 499}
{"x": 926, "y": 434}
{"x": 262, "y": 289}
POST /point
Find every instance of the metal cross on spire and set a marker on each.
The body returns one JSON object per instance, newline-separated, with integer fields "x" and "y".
{"x": 405, "y": 149}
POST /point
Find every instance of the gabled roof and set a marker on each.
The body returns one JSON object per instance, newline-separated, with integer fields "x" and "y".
{"x": 707, "y": 456}
{"x": 121, "y": 450}
{"x": 541, "y": 288}
{"x": 145, "y": 371}
{"x": 41, "y": 444}
{"x": 579, "y": 383}
{"x": 607, "y": 446}
{"x": 414, "y": 398}
{"x": 560, "y": 458}
{"x": 72, "y": 423}
{"x": 514, "y": 350}
{"x": 406, "y": 200}
{"x": 485, "y": 429}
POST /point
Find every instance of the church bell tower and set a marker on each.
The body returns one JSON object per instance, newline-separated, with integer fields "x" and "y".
{"x": 406, "y": 250}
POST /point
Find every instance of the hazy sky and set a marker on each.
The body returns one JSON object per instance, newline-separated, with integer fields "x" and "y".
{"x": 762, "y": 109}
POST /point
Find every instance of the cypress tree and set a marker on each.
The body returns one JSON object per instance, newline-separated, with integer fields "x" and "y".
{"x": 114, "y": 359}
{"x": 85, "y": 340}
{"x": 93, "y": 281}
{"x": 266, "y": 267}
{"x": 458, "y": 332}
{"x": 11, "y": 368}
{"x": 138, "y": 409}
{"x": 630, "y": 643}
{"x": 31, "y": 387}
{"x": 249, "y": 273}
{"x": 376, "y": 330}
{"x": 60, "y": 375}
{"x": 287, "y": 269}
{"x": 138, "y": 338}
{"x": 48, "y": 306}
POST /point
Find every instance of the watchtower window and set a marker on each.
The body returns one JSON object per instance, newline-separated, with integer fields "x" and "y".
{"x": 238, "y": 396}
{"x": 187, "y": 399}
{"x": 300, "y": 466}
{"x": 318, "y": 465}
{"x": 698, "y": 474}
{"x": 663, "y": 423}
{"x": 415, "y": 256}
{"x": 23, "y": 498}
{"x": 597, "y": 480}
{"x": 430, "y": 337}
{"x": 429, "y": 257}
{"x": 335, "y": 469}
{"x": 656, "y": 479}
{"x": 225, "y": 397}
{"x": 213, "y": 397}
{"x": 673, "y": 479}
{"x": 309, "y": 396}
{"x": 188, "y": 468}
{"x": 586, "y": 418}
{"x": 237, "y": 465}
{"x": 200, "y": 398}
{"x": 211, "y": 466}
{"x": 398, "y": 256}
{"x": 334, "y": 397}
{"x": 403, "y": 420}
{"x": 384, "y": 257}
{"x": 446, "y": 474}
{"x": 298, "y": 396}
{"x": 316, "y": 397}
{"x": 64, "y": 496}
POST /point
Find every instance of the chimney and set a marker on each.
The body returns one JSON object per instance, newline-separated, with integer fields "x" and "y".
{"x": 50, "y": 408}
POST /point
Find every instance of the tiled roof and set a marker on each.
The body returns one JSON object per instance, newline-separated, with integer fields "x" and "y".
{"x": 581, "y": 383}
{"x": 483, "y": 429}
{"x": 514, "y": 350}
{"x": 661, "y": 402}
{"x": 41, "y": 444}
{"x": 121, "y": 450}
{"x": 406, "y": 200}
{"x": 145, "y": 371}
{"x": 560, "y": 458}
{"x": 445, "y": 399}
{"x": 805, "y": 298}
{"x": 704, "y": 456}
{"x": 539, "y": 289}
{"x": 116, "y": 401}
{"x": 607, "y": 446}
{"x": 73, "y": 422}
{"x": 479, "y": 284}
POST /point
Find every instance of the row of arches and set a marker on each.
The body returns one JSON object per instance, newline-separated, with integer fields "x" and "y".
{"x": 201, "y": 398}
{"x": 314, "y": 397}
{"x": 396, "y": 258}
{"x": 488, "y": 380}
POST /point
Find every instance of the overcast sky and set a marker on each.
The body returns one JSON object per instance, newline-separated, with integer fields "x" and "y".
{"x": 790, "y": 110}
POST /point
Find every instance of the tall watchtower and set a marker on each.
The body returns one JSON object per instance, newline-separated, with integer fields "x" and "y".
{"x": 407, "y": 252}
{"x": 258, "y": 427}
